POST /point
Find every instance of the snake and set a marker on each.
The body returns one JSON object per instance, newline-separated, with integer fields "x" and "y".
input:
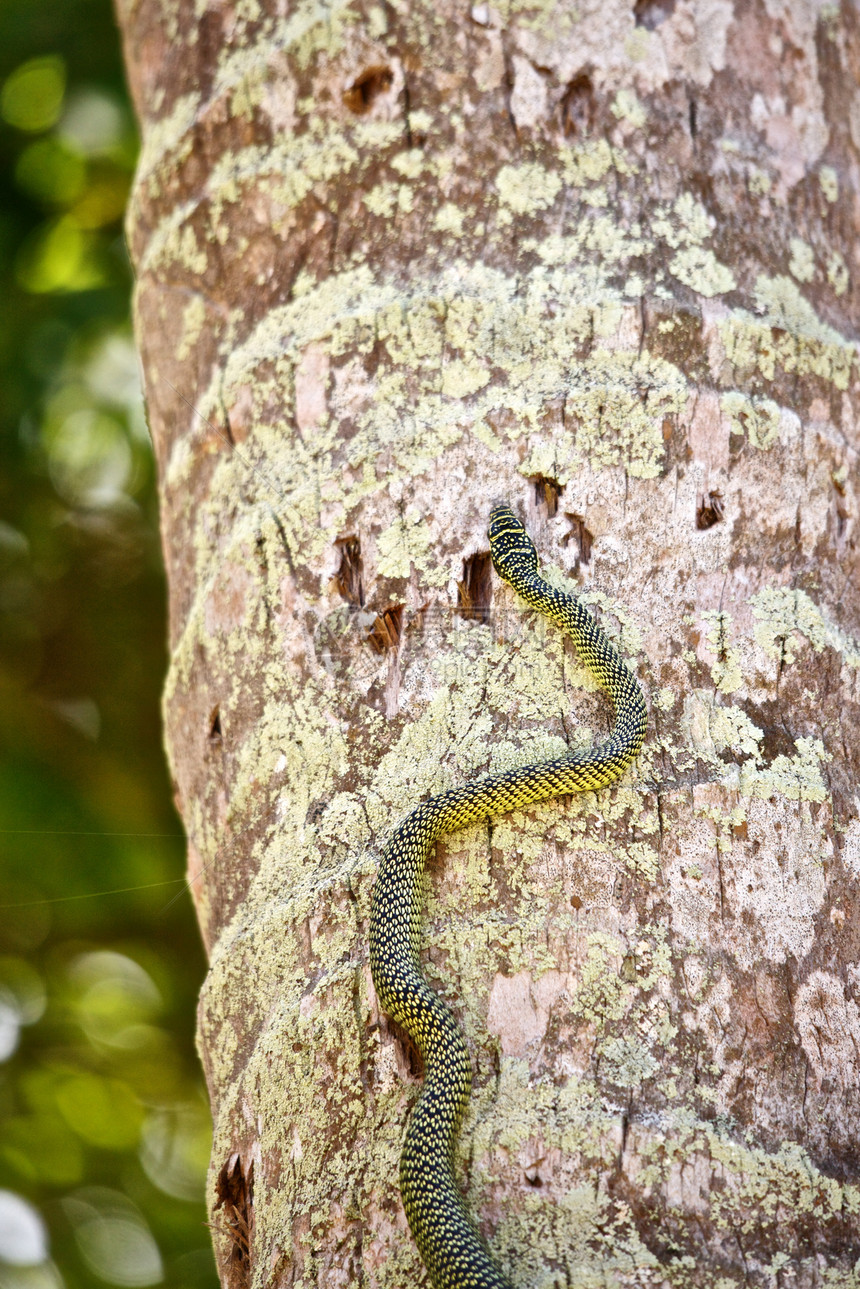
{"x": 450, "y": 1245}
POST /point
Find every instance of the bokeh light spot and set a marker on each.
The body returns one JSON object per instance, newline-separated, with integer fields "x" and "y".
{"x": 51, "y": 172}
{"x": 175, "y": 1150}
{"x": 114, "y": 1240}
{"x": 10, "y": 1025}
{"x": 26, "y": 987}
{"x": 89, "y": 458}
{"x": 103, "y": 1112}
{"x": 93, "y": 122}
{"x": 32, "y": 96}
{"x": 117, "y": 999}
{"x": 23, "y": 1239}
{"x": 59, "y": 256}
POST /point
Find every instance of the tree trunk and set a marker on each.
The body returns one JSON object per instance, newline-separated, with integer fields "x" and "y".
{"x": 397, "y": 261}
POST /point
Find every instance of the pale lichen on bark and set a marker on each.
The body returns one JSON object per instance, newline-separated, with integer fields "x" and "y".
{"x": 404, "y": 260}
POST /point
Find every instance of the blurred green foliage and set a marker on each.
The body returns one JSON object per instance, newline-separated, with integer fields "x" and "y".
{"x": 104, "y": 1130}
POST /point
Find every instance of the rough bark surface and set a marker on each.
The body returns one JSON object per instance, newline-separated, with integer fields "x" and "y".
{"x": 397, "y": 260}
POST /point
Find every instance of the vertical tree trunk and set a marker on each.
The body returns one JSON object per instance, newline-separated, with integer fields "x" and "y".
{"x": 396, "y": 261}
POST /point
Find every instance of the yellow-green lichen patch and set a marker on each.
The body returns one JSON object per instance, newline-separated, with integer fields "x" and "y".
{"x": 176, "y": 243}
{"x": 243, "y": 80}
{"x": 461, "y": 378}
{"x": 626, "y": 1062}
{"x": 732, "y": 730}
{"x": 484, "y": 347}
{"x": 791, "y": 336}
{"x": 664, "y": 699}
{"x": 616, "y": 403}
{"x": 642, "y": 860}
{"x": 829, "y": 183}
{"x": 699, "y": 268}
{"x": 726, "y": 669}
{"x": 802, "y": 262}
{"x": 759, "y": 182}
{"x": 784, "y": 307}
{"x": 449, "y": 219}
{"x": 292, "y": 736}
{"x": 757, "y": 418}
{"x": 405, "y": 542}
{"x": 596, "y": 1242}
{"x": 169, "y": 135}
{"x": 626, "y": 107}
{"x": 797, "y": 778}
{"x": 590, "y": 162}
{"x": 784, "y": 616}
{"x": 601, "y": 995}
{"x": 715, "y": 729}
{"x": 193, "y": 321}
{"x": 685, "y": 223}
{"x": 310, "y": 28}
{"x": 758, "y": 1191}
{"x": 837, "y": 274}
{"x": 527, "y": 188}
{"x": 282, "y": 176}
{"x": 763, "y": 1187}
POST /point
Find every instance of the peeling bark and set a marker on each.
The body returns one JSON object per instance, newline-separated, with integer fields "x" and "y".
{"x": 395, "y": 262}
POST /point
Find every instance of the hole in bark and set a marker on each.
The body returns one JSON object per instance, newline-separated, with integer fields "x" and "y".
{"x": 580, "y": 534}
{"x": 841, "y": 520}
{"x": 475, "y": 592}
{"x": 215, "y": 725}
{"x": 408, "y": 1050}
{"x": 710, "y": 510}
{"x": 349, "y": 578}
{"x": 841, "y": 511}
{"x": 547, "y": 493}
{"x": 534, "y": 1179}
{"x": 693, "y": 115}
{"x": 235, "y": 1190}
{"x": 650, "y": 13}
{"x": 372, "y": 82}
{"x": 578, "y": 106}
{"x": 386, "y": 629}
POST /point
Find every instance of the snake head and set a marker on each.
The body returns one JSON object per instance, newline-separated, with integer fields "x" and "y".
{"x": 511, "y": 547}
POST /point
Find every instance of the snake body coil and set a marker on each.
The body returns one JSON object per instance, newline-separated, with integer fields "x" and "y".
{"x": 453, "y": 1252}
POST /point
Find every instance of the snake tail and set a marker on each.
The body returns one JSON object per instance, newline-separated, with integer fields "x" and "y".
{"x": 454, "y": 1253}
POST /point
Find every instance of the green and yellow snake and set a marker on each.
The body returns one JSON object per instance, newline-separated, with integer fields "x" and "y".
{"x": 453, "y": 1252}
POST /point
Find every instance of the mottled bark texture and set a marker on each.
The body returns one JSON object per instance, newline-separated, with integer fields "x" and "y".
{"x": 399, "y": 259}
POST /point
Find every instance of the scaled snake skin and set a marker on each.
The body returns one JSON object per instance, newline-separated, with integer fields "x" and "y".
{"x": 453, "y": 1251}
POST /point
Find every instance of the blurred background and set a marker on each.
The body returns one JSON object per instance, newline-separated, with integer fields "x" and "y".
{"x": 104, "y": 1130}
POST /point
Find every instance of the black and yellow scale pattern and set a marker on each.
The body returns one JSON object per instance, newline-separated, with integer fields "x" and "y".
{"x": 453, "y": 1252}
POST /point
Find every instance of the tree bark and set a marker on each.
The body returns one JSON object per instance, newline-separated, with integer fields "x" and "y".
{"x": 399, "y": 260}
